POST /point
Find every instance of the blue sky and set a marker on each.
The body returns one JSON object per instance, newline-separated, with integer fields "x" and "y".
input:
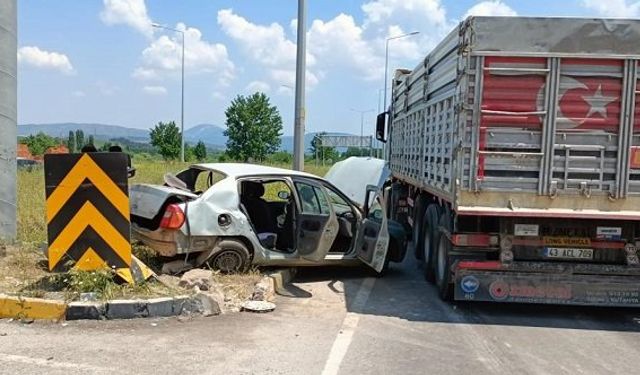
{"x": 100, "y": 61}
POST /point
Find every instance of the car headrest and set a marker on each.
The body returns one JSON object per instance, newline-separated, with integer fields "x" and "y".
{"x": 253, "y": 189}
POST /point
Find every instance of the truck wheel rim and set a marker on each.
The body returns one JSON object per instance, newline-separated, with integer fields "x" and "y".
{"x": 228, "y": 261}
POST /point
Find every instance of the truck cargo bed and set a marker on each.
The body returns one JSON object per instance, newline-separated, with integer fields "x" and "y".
{"x": 544, "y": 109}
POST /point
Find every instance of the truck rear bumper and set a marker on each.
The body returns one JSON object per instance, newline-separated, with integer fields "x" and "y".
{"x": 612, "y": 286}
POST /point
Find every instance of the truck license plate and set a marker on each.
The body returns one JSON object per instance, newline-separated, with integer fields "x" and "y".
{"x": 568, "y": 253}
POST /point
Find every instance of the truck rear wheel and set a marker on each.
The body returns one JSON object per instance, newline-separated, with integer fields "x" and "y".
{"x": 443, "y": 260}
{"x": 430, "y": 233}
{"x": 417, "y": 232}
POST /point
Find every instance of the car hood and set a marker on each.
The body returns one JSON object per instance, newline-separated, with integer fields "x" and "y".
{"x": 352, "y": 176}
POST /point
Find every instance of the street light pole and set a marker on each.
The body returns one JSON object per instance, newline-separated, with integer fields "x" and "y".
{"x": 159, "y": 26}
{"x": 361, "y": 125}
{"x": 386, "y": 62}
{"x": 386, "y": 72}
{"x": 301, "y": 62}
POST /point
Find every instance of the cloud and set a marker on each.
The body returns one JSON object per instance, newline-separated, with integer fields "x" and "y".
{"x": 258, "y": 86}
{"x": 339, "y": 42}
{"x": 155, "y": 90}
{"x": 79, "y": 94}
{"x": 401, "y": 11}
{"x": 490, "y": 8}
{"x": 164, "y": 55}
{"x": 132, "y": 13}
{"x": 267, "y": 45}
{"x": 614, "y": 8}
{"x": 144, "y": 74}
{"x": 34, "y": 56}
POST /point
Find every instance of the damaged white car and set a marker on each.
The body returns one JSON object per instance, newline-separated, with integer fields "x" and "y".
{"x": 230, "y": 216}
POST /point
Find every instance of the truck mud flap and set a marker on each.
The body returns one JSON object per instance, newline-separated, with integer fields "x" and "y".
{"x": 521, "y": 287}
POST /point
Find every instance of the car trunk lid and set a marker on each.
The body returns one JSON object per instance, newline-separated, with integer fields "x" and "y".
{"x": 148, "y": 200}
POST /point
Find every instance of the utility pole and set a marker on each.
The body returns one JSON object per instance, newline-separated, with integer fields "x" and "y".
{"x": 8, "y": 117}
{"x": 301, "y": 66}
{"x": 159, "y": 26}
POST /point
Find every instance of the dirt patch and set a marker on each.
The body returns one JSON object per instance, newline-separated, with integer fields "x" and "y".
{"x": 23, "y": 271}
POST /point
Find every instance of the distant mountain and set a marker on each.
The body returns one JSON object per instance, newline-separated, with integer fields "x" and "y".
{"x": 211, "y": 135}
{"x": 99, "y": 131}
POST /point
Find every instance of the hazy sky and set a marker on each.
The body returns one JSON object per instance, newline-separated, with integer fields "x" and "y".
{"x": 101, "y": 61}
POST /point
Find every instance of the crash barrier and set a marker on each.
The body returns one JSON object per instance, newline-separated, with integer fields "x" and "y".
{"x": 88, "y": 222}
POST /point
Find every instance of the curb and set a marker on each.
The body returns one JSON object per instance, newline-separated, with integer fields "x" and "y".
{"x": 31, "y": 308}
{"x": 130, "y": 309}
{"x": 14, "y": 307}
{"x": 281, "y": 278}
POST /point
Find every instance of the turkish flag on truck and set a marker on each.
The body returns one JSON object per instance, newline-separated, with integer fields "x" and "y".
{"x": 515, "y": 93}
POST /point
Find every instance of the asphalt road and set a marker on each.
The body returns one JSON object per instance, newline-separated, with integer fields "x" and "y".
{"x": 339, "y": 321}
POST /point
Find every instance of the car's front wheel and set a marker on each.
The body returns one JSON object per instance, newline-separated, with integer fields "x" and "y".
{"x": 230, "y": 256}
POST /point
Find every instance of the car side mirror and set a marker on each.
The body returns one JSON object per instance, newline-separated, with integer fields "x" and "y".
{"x": 284, "y": 195}
{"x": 381, "y": 122}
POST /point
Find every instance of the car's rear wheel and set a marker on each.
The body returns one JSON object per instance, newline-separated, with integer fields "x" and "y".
{"x": 230, "y": 256}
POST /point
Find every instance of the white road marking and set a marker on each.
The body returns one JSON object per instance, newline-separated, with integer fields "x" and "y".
{"x": 52, "y": 364}
{"x": 349, "y": 325}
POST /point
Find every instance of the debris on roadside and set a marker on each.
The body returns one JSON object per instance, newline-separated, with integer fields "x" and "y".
{"x": 258, "y": 306}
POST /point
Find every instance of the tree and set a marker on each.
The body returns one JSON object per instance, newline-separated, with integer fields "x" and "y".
{"x": 79, "y": 139}
{"x": 91, "y": 141}
{"x": 200, "y": 151}
{"x": 254, "y": 128}
{"x": 71, "y": 142}
{"x": 39, "y": 144}
{"x": 165, "y": 137}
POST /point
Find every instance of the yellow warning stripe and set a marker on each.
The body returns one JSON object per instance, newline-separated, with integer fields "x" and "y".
{"x": 86, "y": 168}
{"x": 89, "y": 216}
{"x": 90, "y": 261}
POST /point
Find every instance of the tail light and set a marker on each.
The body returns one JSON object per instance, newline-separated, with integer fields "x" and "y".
{"x": 173, "y": 217}
{"x": 474, "y": 240}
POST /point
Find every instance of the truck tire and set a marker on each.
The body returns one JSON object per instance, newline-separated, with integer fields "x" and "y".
{"x": 430, "y": 228}
{"x": 417, "y": 234}
{"x": 230, "y": 256}
{"x": 442, "y": 260}
{"x": 393, "y": 203}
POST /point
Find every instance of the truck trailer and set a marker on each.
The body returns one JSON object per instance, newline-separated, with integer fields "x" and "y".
{"x": 514, "y": 148}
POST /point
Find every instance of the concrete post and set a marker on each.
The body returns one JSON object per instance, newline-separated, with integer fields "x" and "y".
{"x": 8, "y": 117}
{"x": 301, "y": 63}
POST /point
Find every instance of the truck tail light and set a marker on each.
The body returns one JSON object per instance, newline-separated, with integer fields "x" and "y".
{"x": 173, "y": 217}
{"x": 474, "y": 240}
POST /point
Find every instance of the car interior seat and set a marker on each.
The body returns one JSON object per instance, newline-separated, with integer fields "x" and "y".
{"x": 257, "y": 208}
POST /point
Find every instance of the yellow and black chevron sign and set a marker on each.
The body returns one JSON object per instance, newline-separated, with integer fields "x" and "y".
{"x": 87, "y": 211}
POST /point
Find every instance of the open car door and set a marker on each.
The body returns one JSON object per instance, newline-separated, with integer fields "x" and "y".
{"x": 373, "y": 234}
{"x": 316, "y": 225}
